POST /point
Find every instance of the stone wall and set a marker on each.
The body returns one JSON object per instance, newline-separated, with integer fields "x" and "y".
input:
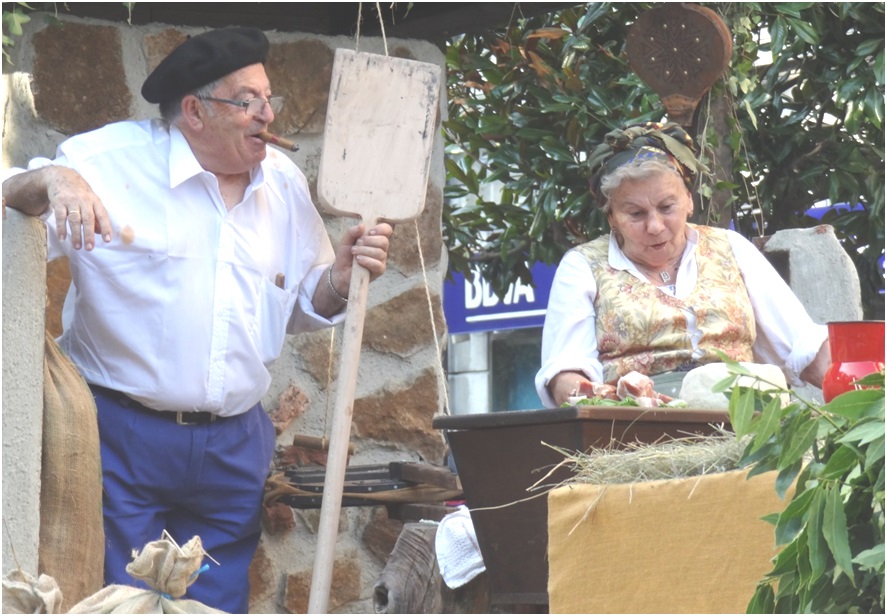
{"x": 85, "y": 73}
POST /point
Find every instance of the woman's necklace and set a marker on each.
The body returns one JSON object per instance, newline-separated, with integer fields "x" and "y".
{"x": 664, "y": 275}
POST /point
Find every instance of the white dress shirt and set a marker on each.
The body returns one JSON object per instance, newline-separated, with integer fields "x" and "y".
{"x": 786, "y": 335}
{"x": 180, "y": 310}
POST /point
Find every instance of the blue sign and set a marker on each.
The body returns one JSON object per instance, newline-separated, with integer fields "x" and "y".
{"x": 471, "y": 306}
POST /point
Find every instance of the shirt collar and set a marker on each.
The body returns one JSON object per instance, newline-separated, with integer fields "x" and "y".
{"x": 183, "y": 165}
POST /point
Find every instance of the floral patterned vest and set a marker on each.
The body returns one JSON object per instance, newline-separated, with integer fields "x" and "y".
{"x": 641, "y": 328}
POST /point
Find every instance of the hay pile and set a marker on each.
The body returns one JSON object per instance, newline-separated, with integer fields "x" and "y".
{"x": 674, "y": 459}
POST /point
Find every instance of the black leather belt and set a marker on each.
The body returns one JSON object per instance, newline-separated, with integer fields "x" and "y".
{"x": 183, "y": 418}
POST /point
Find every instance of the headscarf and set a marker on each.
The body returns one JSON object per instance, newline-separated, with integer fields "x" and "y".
{"x": 651, "y": 140}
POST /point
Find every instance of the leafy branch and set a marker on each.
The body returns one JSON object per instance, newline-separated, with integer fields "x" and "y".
{"x": 13, "y": 20}
{"x": 15, "y": 17}
{"x": 831, "y": 533}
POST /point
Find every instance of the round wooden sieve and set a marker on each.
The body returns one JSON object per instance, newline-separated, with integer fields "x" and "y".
{"x": 679, "y": 50}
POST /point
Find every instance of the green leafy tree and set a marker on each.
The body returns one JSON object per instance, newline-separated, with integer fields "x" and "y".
{"x": 831, "y": 532}
{"x": 799, "y": 113}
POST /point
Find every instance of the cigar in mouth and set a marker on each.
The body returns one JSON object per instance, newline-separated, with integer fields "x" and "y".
{"x": 286, "y": 144}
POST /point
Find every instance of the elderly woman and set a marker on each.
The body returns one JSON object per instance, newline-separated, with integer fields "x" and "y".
{"x": 660, "y": 295}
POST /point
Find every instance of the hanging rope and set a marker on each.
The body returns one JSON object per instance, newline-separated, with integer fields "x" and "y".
{"x": 382, "y": 27}
{"x": 359, "y": 19}
{"x": 441, "y": 373}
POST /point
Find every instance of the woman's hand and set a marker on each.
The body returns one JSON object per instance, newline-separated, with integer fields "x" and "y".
{"x": 564, "y": 385}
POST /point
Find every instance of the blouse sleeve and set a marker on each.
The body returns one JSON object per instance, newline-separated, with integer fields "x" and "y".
{"x": 786, "y": 335}
{"x": 569, "y": 341}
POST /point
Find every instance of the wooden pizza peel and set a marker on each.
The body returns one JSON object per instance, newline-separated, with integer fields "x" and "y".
{"x": 380, "y": 129}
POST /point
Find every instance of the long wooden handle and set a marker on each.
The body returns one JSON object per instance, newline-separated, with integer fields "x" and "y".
{"x": 340, "y": 434}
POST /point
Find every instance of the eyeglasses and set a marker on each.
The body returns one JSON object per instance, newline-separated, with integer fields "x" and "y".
{"x": 253, "y": 106}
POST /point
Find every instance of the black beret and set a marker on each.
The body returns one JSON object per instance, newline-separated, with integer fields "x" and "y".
{"x": 203, "y": 59}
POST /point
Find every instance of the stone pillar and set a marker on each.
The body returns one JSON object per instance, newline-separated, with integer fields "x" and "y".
{"x": 24, "y": 298}
{"x": 819, "y": 271}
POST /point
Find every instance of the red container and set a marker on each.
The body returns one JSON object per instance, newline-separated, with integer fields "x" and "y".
{"x": 857, "y": 349}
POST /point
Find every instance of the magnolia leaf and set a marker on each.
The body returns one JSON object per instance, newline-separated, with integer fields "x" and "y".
{"x": 548, "y": 33}
{"x": 805, "y": 31}
{"x": 834, "y": 529}
{"x": 878, "y": 68}
{"x": 681, "y": 152}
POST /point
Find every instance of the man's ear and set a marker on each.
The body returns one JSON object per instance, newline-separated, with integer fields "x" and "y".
{"x": 193, "y": 112}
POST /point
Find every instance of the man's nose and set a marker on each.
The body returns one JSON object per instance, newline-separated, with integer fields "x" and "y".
{"x": 267, "y": 114}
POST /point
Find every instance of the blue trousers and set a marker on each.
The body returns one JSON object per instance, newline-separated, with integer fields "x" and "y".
{"x": 205, "y": 480}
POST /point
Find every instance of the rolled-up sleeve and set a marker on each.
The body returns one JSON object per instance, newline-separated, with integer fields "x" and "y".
{"x": 786, "y": 335}
{"x": 569, "y": 340}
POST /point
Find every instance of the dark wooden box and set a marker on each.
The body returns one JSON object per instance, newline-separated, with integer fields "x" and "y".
{"x": 500, "y": 455}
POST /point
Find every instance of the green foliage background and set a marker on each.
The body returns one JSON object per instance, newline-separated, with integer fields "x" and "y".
{"x": 528, "y": 102}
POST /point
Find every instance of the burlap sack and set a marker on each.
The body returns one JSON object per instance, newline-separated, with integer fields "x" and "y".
{"x": 22, "y": 594}
{"x": 168, "y": 569}
{"x": 71, "y": 533}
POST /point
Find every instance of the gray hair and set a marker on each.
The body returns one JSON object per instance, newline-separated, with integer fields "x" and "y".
{"x": 171, "y": 110}
{"x": 637, "y": 170}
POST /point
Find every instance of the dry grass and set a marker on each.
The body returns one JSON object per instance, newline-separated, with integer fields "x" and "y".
{"x": 674, "y": 459}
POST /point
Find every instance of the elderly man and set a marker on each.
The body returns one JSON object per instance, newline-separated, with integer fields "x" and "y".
{"x": 212, "y": 250}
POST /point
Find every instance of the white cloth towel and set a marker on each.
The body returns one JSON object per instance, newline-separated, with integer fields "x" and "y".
{"x": 458, "y": 554}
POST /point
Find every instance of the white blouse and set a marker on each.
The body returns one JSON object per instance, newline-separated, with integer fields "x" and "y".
{"x": 786, "y": 335}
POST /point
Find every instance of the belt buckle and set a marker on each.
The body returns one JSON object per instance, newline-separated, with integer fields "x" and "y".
{"x": 180, "y": 419}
